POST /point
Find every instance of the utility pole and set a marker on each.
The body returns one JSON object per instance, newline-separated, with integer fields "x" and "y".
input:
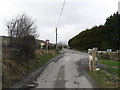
{"x": 47, "y": 42}
{"x": 56, "y": 38}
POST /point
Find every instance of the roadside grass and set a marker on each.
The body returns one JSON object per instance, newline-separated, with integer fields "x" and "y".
{"x": 12, "y": 73}
{"x": 104, "y": 80}
{"x": 109, "y": 62}
{"x": 115, "y": 71}
{"x": 113, "y": 66}
{"x": 107, "y": 77}
{"x": 40, "y": 61}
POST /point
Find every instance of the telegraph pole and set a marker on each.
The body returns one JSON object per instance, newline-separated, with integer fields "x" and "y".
{"x": 59, "y": 22}
{"x": 47, "y": 42}
{"x": 56, "y": 38}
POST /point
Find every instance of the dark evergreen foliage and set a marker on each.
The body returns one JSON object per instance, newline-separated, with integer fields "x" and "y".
{"x": 104, "y": 37}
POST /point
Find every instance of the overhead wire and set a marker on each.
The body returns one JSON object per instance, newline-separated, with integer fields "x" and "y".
{"x": 61, "y": 13}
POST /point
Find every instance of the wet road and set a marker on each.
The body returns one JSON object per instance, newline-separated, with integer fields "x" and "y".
{"x": 67, "y": 72}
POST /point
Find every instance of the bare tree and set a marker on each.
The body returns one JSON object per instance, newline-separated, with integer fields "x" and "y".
{"x": 22, "y": 33}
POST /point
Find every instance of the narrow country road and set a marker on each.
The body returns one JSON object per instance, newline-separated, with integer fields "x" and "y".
{"x": 67, "y": 72}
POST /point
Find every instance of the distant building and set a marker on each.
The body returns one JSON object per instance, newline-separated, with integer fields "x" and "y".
{"x": 42, "y": 45}
{"x": 109, "y": 50}
{"x": 119, "y": 7}
{"x": 5, "y": 41}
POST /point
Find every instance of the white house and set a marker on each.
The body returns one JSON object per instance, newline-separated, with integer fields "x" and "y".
{"x": 42, "y": 44}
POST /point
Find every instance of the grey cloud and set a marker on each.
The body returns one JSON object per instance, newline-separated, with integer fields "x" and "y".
{"x": 77, "y": 16}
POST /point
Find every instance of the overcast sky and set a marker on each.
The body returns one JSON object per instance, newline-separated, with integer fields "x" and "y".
{"x": 78, "y": 15}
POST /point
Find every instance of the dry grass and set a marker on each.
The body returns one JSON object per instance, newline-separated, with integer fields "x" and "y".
{"x": 12, "y": 72}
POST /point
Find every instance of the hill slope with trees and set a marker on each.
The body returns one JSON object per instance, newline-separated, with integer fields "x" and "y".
{"x": 104, "y": 37}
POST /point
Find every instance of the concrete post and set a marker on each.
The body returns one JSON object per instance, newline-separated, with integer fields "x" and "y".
{"x": 118, "y": 55}
{"x": 92, "y": 59}
{"x": 94, "y": 55}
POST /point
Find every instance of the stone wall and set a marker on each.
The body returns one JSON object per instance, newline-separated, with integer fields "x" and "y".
{"x": 110, "y": 55}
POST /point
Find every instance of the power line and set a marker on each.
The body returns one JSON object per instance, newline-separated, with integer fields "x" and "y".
{"x": 61, "y": 13}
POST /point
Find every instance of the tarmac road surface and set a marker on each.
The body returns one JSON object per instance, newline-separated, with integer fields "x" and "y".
{"x": 67, "y": 72}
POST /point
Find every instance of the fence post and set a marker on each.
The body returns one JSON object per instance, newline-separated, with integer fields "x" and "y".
{"x": 93, "y": 60}
{"x": 90, "y": 59}
{"x": 118, "y": 55}
{"x": 94, "y": 57}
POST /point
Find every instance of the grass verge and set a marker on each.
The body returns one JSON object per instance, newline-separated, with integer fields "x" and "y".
{"x": 115, "y": 71}
{"x": 109, "y": 62}
{"x": 112, "y": 66}
{"x": 12, "y": 73}
{"x": 104, "y": 80}
{"x": 107, "y": 77}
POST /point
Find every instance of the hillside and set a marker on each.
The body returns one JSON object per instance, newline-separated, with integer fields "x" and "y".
{"x": 104, "y": 37}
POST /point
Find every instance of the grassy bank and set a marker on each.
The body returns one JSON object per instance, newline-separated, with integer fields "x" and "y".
{"x": 104, "y": 79}
{"x": 109, "y": 62}
{"x": 111, "y": 66}
{"x": 12, "y": 73}
{"x": 107, "y": 77}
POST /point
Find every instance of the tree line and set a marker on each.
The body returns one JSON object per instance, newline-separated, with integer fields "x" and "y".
{"x": 104, "y": 37}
